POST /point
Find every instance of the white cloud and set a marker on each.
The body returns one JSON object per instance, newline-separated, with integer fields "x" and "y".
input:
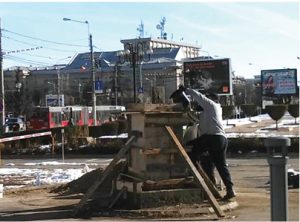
{"x": 197, "y": 26}
{"x": 268, "y": 20}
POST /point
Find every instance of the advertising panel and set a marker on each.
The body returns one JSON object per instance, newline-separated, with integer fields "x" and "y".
{"x": 212, "y": 75}
{"x": 279, "y": 82}
{"x": 98, "y": 86}
{"x": 52, "y": 100}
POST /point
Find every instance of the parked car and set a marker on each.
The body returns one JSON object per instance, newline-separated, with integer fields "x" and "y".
{"x": 14, "y": 124}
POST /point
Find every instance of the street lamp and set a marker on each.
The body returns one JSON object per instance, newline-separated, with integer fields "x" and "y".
{"x": 116, "y": 83}
{"x": 134, "y": 53}
{"x": 2, "y": 91}
{"x": 90, "y": 38}
{"x": 60, "y": 81}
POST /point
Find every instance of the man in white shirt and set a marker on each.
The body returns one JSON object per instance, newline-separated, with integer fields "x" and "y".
{"x": 212, "y": 137}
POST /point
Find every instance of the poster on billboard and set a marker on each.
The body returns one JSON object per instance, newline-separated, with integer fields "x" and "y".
{"x": 212, "y": 75}
{"x": 52, "y": 100}
{"x": 279, "y": 82}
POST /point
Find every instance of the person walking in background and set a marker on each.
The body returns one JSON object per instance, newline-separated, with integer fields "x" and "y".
{"x": 212, "y": 138}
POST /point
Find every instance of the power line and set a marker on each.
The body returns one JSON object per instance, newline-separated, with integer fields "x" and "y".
{"x": 26, "y": 43}
{"x": 43, "y": 40}
{"x": 21, "y": 50}
{"x": 60, "y": 50}
{"x": 28, "y": 61}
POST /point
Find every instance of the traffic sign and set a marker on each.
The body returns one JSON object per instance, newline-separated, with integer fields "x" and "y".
{"x": 98, "y": 86}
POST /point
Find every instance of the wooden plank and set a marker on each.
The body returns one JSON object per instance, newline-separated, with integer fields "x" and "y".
{"x": 178, "y": 183}
{"x": 197, "y": 175}
{"x": 131, "y": 177}
{"x": 208, "y": 182}
{"x": 106, "y": 173}
{"x": 117, "y": 197}
{"x": 151, "y": 151}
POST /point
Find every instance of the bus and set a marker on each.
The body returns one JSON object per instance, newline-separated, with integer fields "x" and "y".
{"x": 42, "y": 118}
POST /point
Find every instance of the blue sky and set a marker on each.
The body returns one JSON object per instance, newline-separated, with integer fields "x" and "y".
{"x": 263, "y": 34}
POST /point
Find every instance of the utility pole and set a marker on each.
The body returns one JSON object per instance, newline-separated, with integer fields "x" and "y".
{"x": 116, "y": 84}
{"x": 90, "y": 38}
{"x": 93, "y": 80}
{"x": 59, "y": 102}
{"x": 2, "y": 95}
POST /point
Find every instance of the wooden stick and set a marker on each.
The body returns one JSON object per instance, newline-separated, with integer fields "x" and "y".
{"x": 208, "y": 182}
{"x": 195, "y": 172}
{"x": 123, "y": 190}
{"x": 106, "y": 173}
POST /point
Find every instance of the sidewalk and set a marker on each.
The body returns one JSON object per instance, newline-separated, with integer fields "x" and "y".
{"x": 262, "y": 127}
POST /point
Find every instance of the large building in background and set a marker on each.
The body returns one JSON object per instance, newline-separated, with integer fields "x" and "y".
{"x": 155, "y": 79}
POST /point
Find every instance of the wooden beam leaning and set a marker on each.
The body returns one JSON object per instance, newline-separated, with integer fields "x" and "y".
{"x": 208, "y": 182}
{"x": 215, "y": 205}
{"x": 106, "y": 173}
{"x": 117, "y": 197}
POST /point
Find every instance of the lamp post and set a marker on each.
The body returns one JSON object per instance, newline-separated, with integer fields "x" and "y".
{"x": 134, "y": 53}
{"x": 90, "y": 38}
{"x": 2, "y": 102}
{"x": 116, "y": 83}
{"x": 19, "y": 93}
{"x": 60, "y": 82}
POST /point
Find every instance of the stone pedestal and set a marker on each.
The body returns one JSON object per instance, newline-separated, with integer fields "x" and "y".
{"x": 154, "y": 155}
{"x": 155, "y": 158}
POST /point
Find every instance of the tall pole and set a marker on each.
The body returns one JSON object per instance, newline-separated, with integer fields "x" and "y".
{"x": 58, "y": 88}
{"x": 141, "y": 75}
{"x": 93, "y": 80}
{"x": 133, "y": 70}
{"x": 116, "y": 84}
{"x": 2, "y": 95}
{"x": 134, "y": 53}
{"x": 90, "y": 38}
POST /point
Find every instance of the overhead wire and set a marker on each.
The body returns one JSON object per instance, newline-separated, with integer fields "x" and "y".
{"x": 43, "y": 40}
{"x": 45, "y": 47}
{"x": 21, "y": 51}
{"x": 26, "y": 43}
{"x": 28, "y": 61}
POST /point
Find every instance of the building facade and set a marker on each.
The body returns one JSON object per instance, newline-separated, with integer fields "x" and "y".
{"x": 155, "y": 78}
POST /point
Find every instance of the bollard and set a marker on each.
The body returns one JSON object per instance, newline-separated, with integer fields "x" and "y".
{"x": 1, "y": 191}
{"x": 63, "y": 144}
{"x": 277, "y": 159}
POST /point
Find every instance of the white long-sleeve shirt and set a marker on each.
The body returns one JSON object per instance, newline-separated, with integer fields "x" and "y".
{"x": 210, "y": 120}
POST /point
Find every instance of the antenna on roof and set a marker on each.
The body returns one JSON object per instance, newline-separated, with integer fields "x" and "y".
{"x": 140, "y": 29}
{"x": 161, "y": 26}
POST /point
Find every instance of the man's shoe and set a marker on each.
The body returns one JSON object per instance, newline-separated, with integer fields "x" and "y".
{"x": 229, "y": 195}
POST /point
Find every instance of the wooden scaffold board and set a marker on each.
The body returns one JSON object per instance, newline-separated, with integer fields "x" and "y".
{"x": 215, "y": 205}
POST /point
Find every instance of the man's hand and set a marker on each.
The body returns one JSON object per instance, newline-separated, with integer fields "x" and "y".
{"x": 182, "y": 88}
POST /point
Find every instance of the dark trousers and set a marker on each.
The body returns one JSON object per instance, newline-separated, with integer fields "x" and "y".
{"x": 215, "y": 146}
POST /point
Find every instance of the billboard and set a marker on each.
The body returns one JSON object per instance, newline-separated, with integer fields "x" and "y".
{"x": 212, "y": 75}
{"x": 279, "y": 82}
{"x": 52, "y": 100}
